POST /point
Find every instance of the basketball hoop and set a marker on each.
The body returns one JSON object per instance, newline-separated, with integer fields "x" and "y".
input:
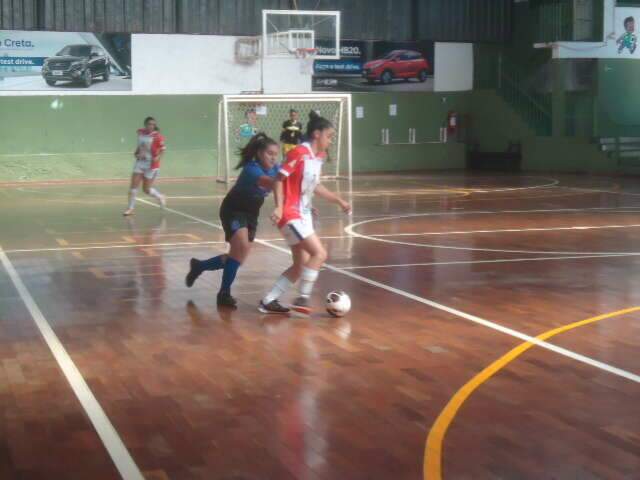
{"x": 306, "y": 56}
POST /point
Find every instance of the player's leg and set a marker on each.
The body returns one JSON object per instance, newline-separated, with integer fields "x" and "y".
{"x": 270, "y": 303}
{"x": 240, "y": 246}
{"x": 240, "y": 231}
{"x": 231, "y": 222}
{"x": 136, "y": 179}
{"x": 147, "y": 185}
{"x": 317, "y": 255}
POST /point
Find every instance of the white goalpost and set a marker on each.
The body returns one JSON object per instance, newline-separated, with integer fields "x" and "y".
{"x": 241, "y": 116}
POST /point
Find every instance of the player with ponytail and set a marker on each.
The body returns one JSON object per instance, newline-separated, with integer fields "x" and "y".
{"x": 298, "y": 180}
{"x": 239, "y": 213}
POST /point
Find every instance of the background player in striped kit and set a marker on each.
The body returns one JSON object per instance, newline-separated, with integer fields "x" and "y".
{"x": 151, "y": 146}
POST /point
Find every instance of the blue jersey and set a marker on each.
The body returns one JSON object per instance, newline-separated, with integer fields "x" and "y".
{"x": 246, "y": 195}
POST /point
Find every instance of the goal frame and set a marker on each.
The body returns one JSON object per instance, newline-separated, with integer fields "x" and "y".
{"x": 344, "y": 127}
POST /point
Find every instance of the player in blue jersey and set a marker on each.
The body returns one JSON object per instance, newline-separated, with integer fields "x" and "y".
{"x": 239, "y": 213}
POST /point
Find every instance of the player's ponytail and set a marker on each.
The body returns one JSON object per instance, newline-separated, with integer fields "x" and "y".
{"x": 258, "y": 143}
{"x": 316, "y": 122}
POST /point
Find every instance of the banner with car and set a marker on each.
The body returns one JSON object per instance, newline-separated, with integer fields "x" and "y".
{"x": 375, "y": 66}
{"x": 64, "y": 60}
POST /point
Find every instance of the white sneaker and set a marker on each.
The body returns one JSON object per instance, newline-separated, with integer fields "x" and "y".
{"x": 163, "y": 201}
{"x": 128, "y": 212}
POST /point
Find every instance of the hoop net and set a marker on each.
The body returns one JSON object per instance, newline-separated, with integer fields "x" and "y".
{"x": 306, "y": 56}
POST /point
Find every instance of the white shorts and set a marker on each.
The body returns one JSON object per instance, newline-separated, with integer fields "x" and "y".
{"x": 297, "y": 230}
{"x": 144, "y": 167}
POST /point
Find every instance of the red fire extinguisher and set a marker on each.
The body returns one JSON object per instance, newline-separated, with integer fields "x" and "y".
{"x": 452, "y": 122}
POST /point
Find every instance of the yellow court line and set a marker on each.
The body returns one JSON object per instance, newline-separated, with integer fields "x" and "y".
{"x": 432, "y": 469}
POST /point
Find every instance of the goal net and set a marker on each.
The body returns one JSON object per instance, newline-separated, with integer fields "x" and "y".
{"x": 241, "y": 116}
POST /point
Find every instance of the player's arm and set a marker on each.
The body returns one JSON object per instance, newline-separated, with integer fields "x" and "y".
{"x": 278, "y": 197}
{"x": 158, "y": 148}
{"x": 256, "y": 176}
{"x": 266, "y": 182}
{"x": 331, "y": 197}
{"x": 292, "y": 168}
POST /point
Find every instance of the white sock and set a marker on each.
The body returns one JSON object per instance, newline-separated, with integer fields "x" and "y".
{"x": 132, "y": 198}
{"x": 155, "y": 193}
{"x": 282, "y": 285}
{"x": 307, "y": 280}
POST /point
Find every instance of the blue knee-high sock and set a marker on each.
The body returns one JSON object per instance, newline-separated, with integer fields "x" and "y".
{"x": 231, "y": 267}
{"x": 215, "y": 263}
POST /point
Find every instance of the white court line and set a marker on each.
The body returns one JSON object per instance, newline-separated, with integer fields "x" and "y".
{"x": 604, "y": 191}
{"x": 553, "y": 183}
{"x": 145, "y": 245}
{"x": 458, "y": 313}
{"x": 506, "y": 230}
{"x": 499, "y": 260}
{"x": 107, "y": 433}
{"x": 107, "y": 247}
{"x": 349, "y": 229}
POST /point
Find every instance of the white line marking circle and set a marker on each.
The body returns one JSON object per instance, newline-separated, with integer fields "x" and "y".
{"x": 349, "y": 230}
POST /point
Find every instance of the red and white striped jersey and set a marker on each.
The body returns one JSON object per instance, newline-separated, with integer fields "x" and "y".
{"x": 302, "y": 170}
{"x": 150, "y": 146}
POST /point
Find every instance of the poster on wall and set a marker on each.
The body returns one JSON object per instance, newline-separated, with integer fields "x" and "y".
{"x": 376, "y": 66}
{"x": 622, "y": 43}
{"x": 59, "y": 61}
{"x": 626, "y": 36}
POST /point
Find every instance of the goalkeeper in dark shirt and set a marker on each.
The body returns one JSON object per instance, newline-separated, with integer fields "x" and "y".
{"x": 291, "y": 135}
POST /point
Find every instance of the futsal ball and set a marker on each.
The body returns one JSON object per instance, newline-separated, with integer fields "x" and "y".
{"x": 338, "y": 304}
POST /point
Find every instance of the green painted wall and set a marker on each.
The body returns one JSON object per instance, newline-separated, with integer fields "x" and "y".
{"x": 495, "y": 123}
{"x": 426, "y": 112}
{"x": 565, "y": 154}
{"x": 618, "y": 103}
{"x": 80, "y": 137}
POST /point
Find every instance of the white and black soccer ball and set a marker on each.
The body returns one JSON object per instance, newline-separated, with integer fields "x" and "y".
{"x": 338, "y": 304}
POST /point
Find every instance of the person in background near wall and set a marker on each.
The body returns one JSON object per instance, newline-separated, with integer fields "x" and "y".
{"x": 291, "y": 135}
{"x": 150, "y": 148}
{"x": 250, "y": 127}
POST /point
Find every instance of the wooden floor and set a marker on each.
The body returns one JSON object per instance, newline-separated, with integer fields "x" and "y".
{"x": 448, "y": 274}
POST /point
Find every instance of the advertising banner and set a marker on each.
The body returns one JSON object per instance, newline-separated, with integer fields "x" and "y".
{"x": 64, "y": 60}
{"x": 367, "y": 66}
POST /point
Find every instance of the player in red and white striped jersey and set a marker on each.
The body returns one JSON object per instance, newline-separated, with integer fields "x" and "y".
{"x": 150, "y": 148}
{"x": 298, "y": 181}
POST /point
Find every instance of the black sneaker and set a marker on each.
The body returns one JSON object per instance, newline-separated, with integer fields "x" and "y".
{"x": 301, "y": 305}
{"x": 194, "y": 272}
{"x": 273, "y": 307}
{"x": 226, "y": 300}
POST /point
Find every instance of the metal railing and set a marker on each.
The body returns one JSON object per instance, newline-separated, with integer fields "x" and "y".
{"x": 626, "y": 150}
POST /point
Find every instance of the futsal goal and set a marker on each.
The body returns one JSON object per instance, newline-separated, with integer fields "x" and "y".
{"x": 240, "y": 116}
